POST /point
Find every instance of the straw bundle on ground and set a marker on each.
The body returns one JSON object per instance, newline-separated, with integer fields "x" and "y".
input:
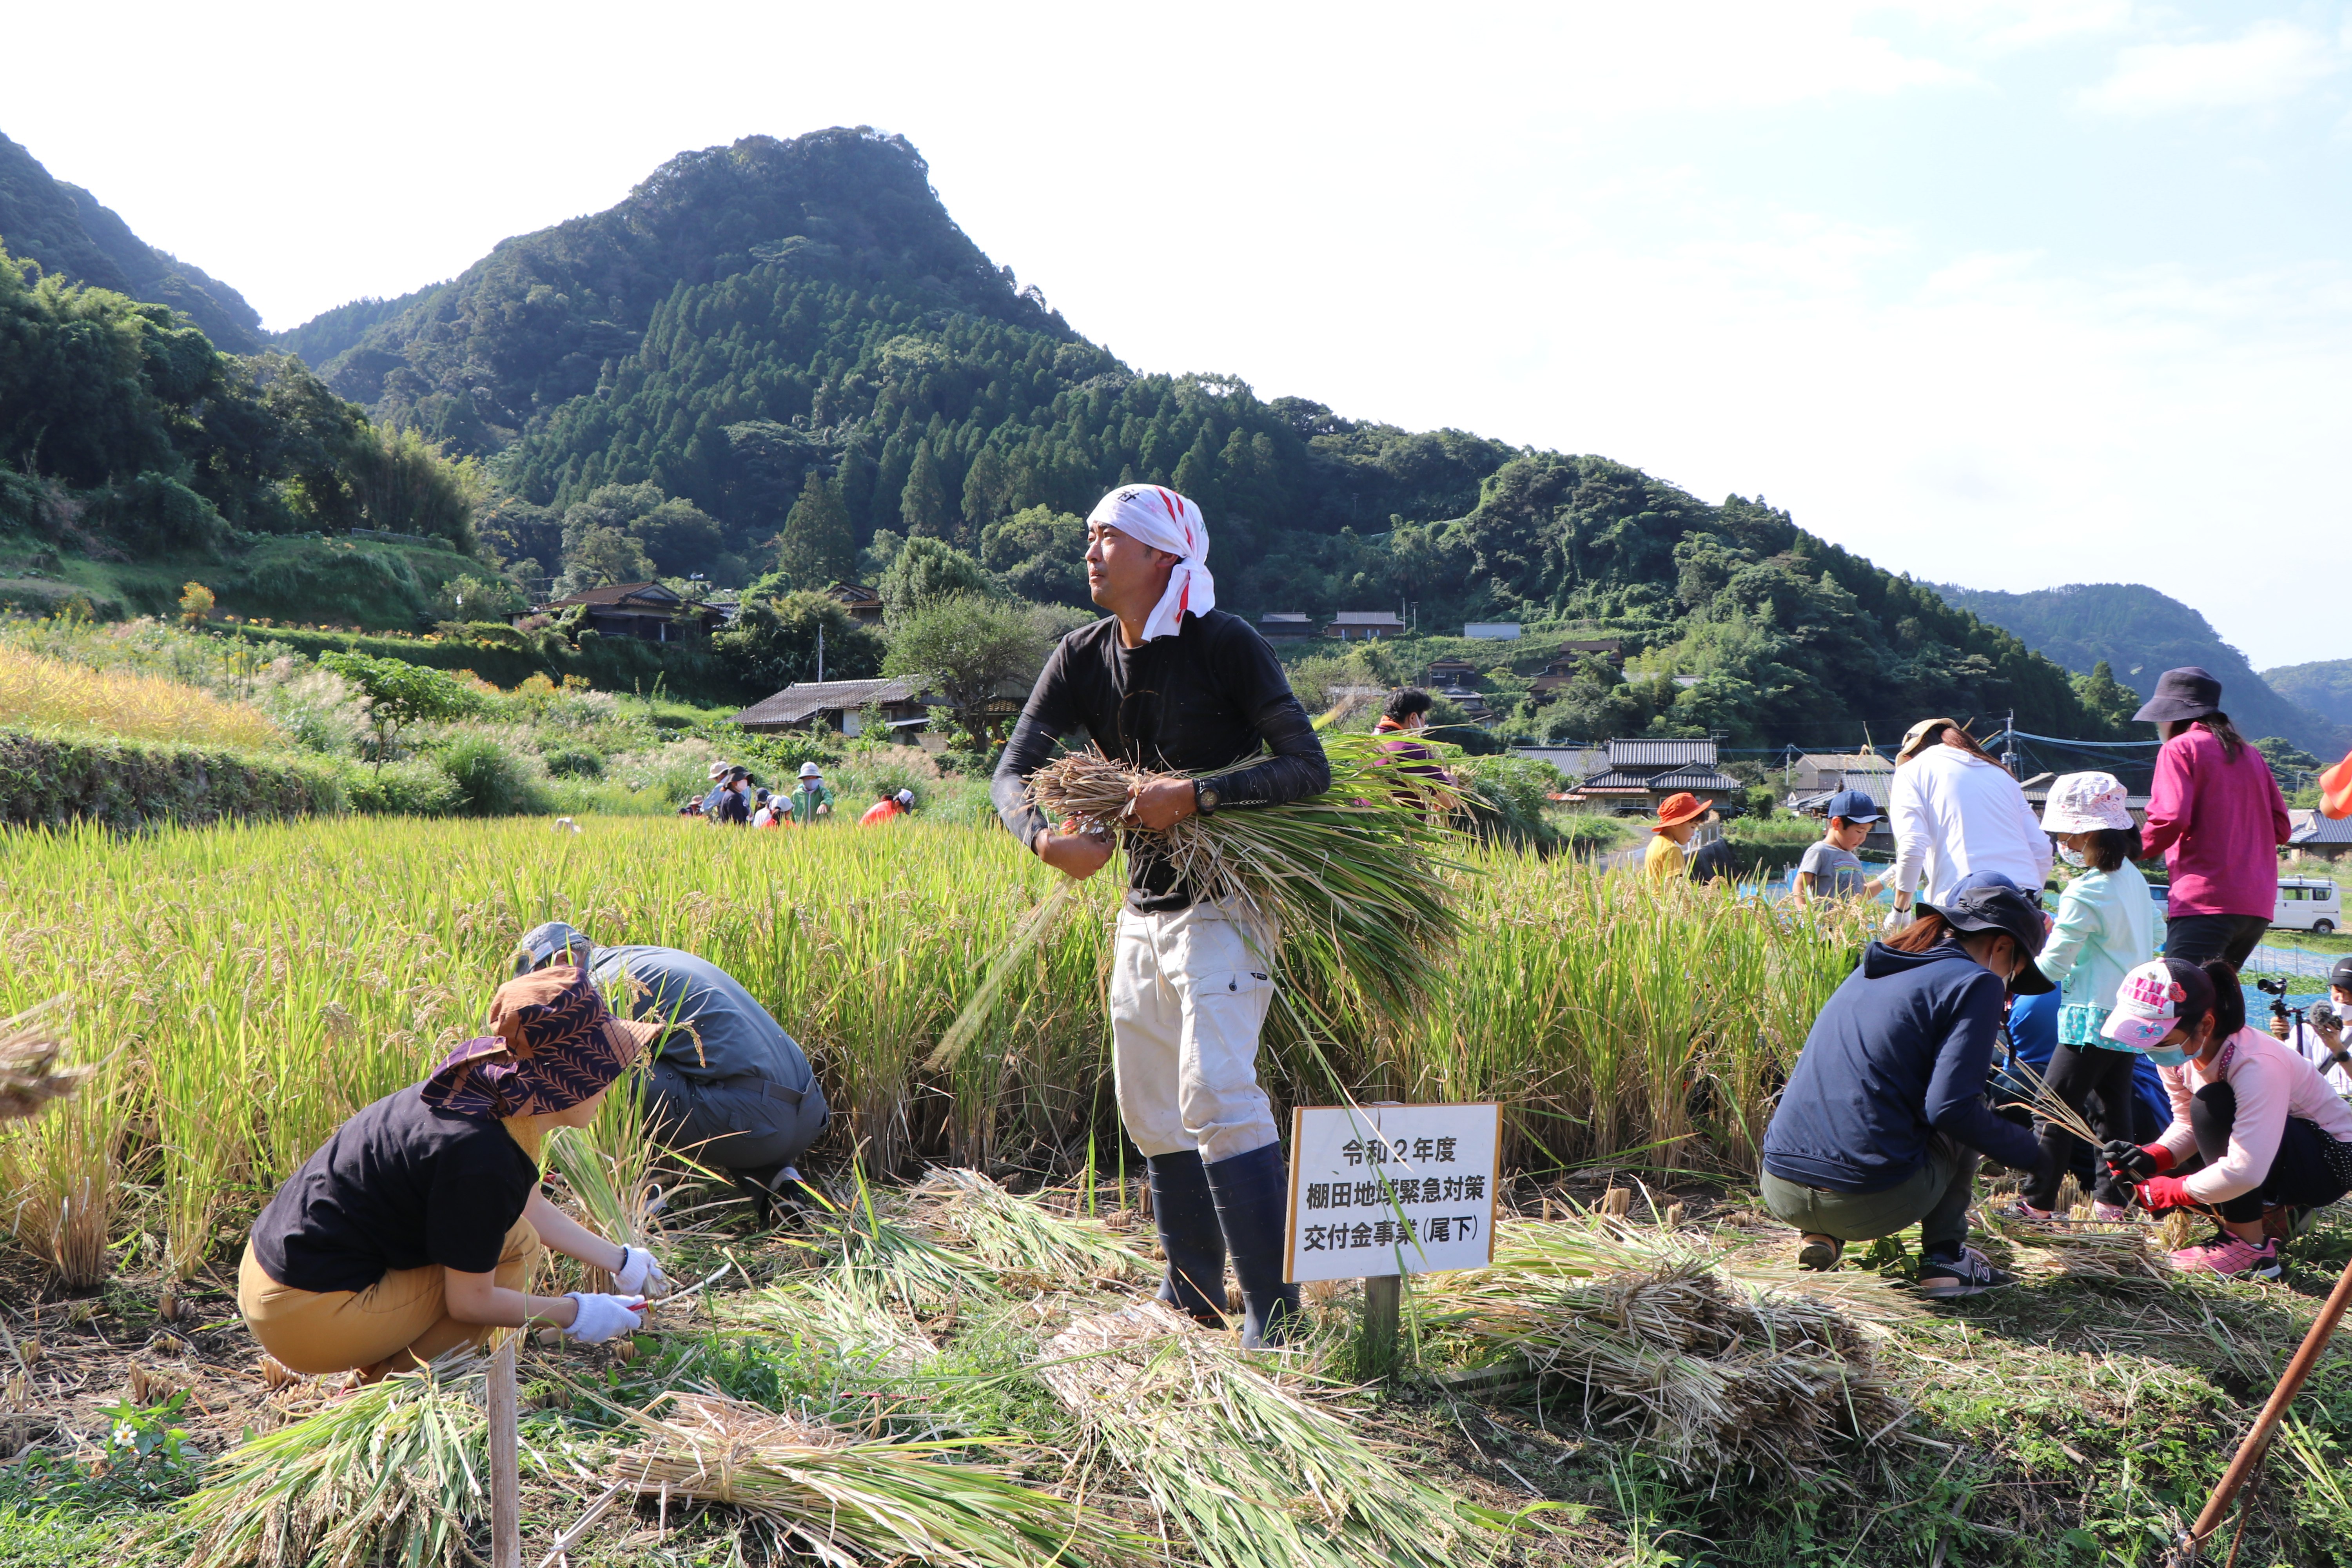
{"x": 847, "y": 1501}
{"x": 1354, "y": 878}
{"x": 29, "y": 1046}
{"x": 1020, "y": 1234}
{"x": 1253, "y": 1476}
{"x": 1668, "y": 1356}
{"x": 2121, "y": 1255}
{"x": 388, "y": 1474}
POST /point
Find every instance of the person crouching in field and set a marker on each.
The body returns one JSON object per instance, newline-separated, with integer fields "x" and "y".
{"x": 1170, "y": 682}
{"x": 2273, "y": 1137}
{"x": 413, "y": 1230}
{"x": 726, "y": 1085}
{"x": 2105, "y": 926}
{"x": 1885, "y": 1117}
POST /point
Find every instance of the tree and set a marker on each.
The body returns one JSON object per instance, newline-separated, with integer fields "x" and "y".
{"x": 195, "y": 604}
{"x": 398, "y": 694}
{"x": 773, "y": 642}
{"x": 1041, "y": 554}
{"x": 984, "y": 486}
{"x": 2108, "y": 702}
{"x": 962, "y": 647}
{"x": 606, "y": 555}
{"x": 817, "y": 548}
{"x": 925, "y": 570}
{"x": 923, "y": 504}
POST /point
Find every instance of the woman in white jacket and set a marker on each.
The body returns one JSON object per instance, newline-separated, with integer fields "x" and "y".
{"x": 1957, "y": 811}
{"x": 2105, "y": 929}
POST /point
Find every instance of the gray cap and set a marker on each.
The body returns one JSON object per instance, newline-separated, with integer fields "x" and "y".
{"x": 543, "y": 942}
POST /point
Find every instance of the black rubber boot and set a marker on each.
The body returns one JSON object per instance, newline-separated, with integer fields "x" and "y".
{"x": 1187, "y": 1217}
{"x": 1252, "y": 1193}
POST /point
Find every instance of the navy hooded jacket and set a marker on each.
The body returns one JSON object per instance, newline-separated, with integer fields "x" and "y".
{"x": 1902, "y": 1050}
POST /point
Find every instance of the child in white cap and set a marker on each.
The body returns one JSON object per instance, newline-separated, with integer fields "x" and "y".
{"x": 2274, "y": 1140}
{"x": 2106, "y": 925}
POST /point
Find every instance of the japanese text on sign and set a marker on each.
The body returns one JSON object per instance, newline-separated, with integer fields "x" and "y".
{"x": 1389, "y": 1189}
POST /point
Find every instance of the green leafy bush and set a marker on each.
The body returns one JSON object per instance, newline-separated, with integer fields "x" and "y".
{"x": 402, "y": 789}
{"x": 490, "y": 779}
{"x": 53, "y": 780}
{"x": 573, "y": 761}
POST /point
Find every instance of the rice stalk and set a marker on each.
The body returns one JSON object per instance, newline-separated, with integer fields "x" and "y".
{"x": 1253, "y": 1474}
{"x": 2047, "y": 1104}
{"x": 1355, "y": 879}
{"x": 389, "y": 1473}
{"x": 2121, "y": 1256}
{"x": 874, "y": 1248}
{"x": 30, "y": 1077}
{"x": 1661, "y": 1351}
{"x": 1020, "y": 1236}
{"x": 61, "y": 1176}
{"x": 846, "y": 1501}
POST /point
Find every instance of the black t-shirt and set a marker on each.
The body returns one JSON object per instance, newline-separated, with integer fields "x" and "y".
{"x": 1206, "y": 699}
{"x": 400, "y": 1186}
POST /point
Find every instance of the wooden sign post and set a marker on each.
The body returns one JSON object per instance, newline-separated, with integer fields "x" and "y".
{"x": 506, "y": 1479}
{"x": 1379, "y": 1192}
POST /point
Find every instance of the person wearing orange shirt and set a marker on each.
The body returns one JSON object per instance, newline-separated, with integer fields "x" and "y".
{"x": 888, "y": 805}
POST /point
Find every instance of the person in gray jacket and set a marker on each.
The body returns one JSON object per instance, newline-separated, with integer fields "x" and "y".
{"x": 725, "y": 1085}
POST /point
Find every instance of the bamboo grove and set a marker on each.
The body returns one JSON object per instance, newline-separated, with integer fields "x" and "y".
{"x": 239, "y": 991}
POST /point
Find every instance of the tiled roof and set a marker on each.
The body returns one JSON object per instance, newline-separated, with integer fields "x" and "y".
{"x": 2311, "y": 827}
{"x": 798, "y": 701}
{"x": 615, "y": 593}
{"x": 1660, "y": 754}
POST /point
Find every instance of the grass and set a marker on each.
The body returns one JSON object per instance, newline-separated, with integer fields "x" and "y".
{"x": 41, "y": 692}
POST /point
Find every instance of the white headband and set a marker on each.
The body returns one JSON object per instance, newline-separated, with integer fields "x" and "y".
{"x": 1158, "y": 517}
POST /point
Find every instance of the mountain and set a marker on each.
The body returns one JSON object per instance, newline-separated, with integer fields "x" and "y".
{"x": 2324, "y": 688}
{"x": 66, "y": 229}
{"x": 2141, "y": 634}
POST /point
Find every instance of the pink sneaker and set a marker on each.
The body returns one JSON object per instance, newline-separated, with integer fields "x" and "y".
{"x": 2230, "y": 1257}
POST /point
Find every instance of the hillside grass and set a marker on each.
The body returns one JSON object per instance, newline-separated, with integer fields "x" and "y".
{"x": 37, "y": 691}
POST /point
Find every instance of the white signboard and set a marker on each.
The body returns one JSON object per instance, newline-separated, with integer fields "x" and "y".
{"x": 1390, "y": 1189}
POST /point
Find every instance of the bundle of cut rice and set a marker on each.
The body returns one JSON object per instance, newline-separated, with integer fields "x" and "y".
{"x": 1665, "y": 1352}
{"x": 847, "y": 1500}
{"x": 1254, "y": 1475}
{"x": 1020, "y": 1236}
{"x": 30, "y": 1046}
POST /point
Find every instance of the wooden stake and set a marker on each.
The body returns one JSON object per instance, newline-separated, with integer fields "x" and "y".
{"x": 506, "y": 1479}
{"x": 2250, "y": 1452}
{"x": 1382, "y": 1294}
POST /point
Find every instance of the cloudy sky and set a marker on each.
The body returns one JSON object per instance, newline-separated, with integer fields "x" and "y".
{"x": 2006, "y": 294}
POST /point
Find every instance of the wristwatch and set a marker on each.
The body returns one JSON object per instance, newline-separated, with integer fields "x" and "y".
{"x": 1204, "y": 798}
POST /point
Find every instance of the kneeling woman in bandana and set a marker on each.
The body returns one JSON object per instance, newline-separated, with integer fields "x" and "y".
{"x": 413, "y": 1229}
{"x": 2274, "y": 1139}
{"x": 1169, "y": 682}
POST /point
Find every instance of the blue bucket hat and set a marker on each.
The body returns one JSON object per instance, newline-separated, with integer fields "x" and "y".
{"x": 542, "y": 943}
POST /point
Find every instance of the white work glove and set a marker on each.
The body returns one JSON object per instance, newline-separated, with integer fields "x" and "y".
{"x": 600, "y": 1317}
{"x": 1896, "y": 920}
{"x": 639, "y": 1275}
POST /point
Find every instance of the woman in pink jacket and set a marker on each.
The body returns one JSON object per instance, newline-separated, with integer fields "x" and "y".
{"x": 2274, "y": 1138}
{"x": 2217, "y": 818}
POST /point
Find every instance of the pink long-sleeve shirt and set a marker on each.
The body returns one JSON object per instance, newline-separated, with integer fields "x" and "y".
{"x": 2272, "y": 1083}
{"x": 2218, "y": 823}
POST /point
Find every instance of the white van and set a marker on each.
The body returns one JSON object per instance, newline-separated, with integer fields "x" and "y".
{"x": 2308, "y": 903}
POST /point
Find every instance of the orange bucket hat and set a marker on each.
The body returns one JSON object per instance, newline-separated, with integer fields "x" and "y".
{"x": 1680, "y": 808}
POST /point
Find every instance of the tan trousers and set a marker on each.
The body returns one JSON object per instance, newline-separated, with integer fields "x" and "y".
{"x": 397, "y": 1323}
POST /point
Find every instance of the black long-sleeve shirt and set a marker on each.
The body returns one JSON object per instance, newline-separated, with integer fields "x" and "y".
{"x": 1199, "y": 701}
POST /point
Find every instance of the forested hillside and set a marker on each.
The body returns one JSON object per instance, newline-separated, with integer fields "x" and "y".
{"x": 2325, "y": 687}
{"x": 64, "y": 229}
{"x": 2141, "y": 634}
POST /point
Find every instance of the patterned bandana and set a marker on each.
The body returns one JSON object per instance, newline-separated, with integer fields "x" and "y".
{"x": 552, "y": 1044}
{"x": 1158, "y": 517}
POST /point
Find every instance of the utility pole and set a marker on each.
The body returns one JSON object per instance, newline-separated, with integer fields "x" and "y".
{"x": 820, "y": 654}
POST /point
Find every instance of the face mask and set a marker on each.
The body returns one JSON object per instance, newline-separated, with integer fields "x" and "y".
{"x": 2166, "y": 1058}
{"x": 2073, "y": 857}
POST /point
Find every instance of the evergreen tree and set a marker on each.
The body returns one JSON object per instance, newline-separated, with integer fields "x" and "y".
{"x": 983, "y": 491}
{"x": 818, "y": 548}
{"x": 923, "y": 504}
{"x": 2108, "y": 702}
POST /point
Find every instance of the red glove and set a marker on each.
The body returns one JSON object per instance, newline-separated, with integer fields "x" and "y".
{"x": 2159, "y": 1153}
{"x": 2161, "y": 1193}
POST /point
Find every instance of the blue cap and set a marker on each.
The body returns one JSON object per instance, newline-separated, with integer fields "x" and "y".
{"x": 1855, "y": 806}
{"x": 543, "y": 942}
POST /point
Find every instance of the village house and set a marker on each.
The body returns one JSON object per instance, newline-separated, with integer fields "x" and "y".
{"x": 1635, "y": 776}
{"x": 1286, "y": 625}
{"x": 1365, "y": 625}
{"x": 864, "y": 605}
{"x": 645, "y": 611}
{"x": 1562, "y": 669}
{"x": 839, "y": 704}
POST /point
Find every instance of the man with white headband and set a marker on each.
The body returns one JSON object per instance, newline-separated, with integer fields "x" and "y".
{"x": 1171, "y": 683}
